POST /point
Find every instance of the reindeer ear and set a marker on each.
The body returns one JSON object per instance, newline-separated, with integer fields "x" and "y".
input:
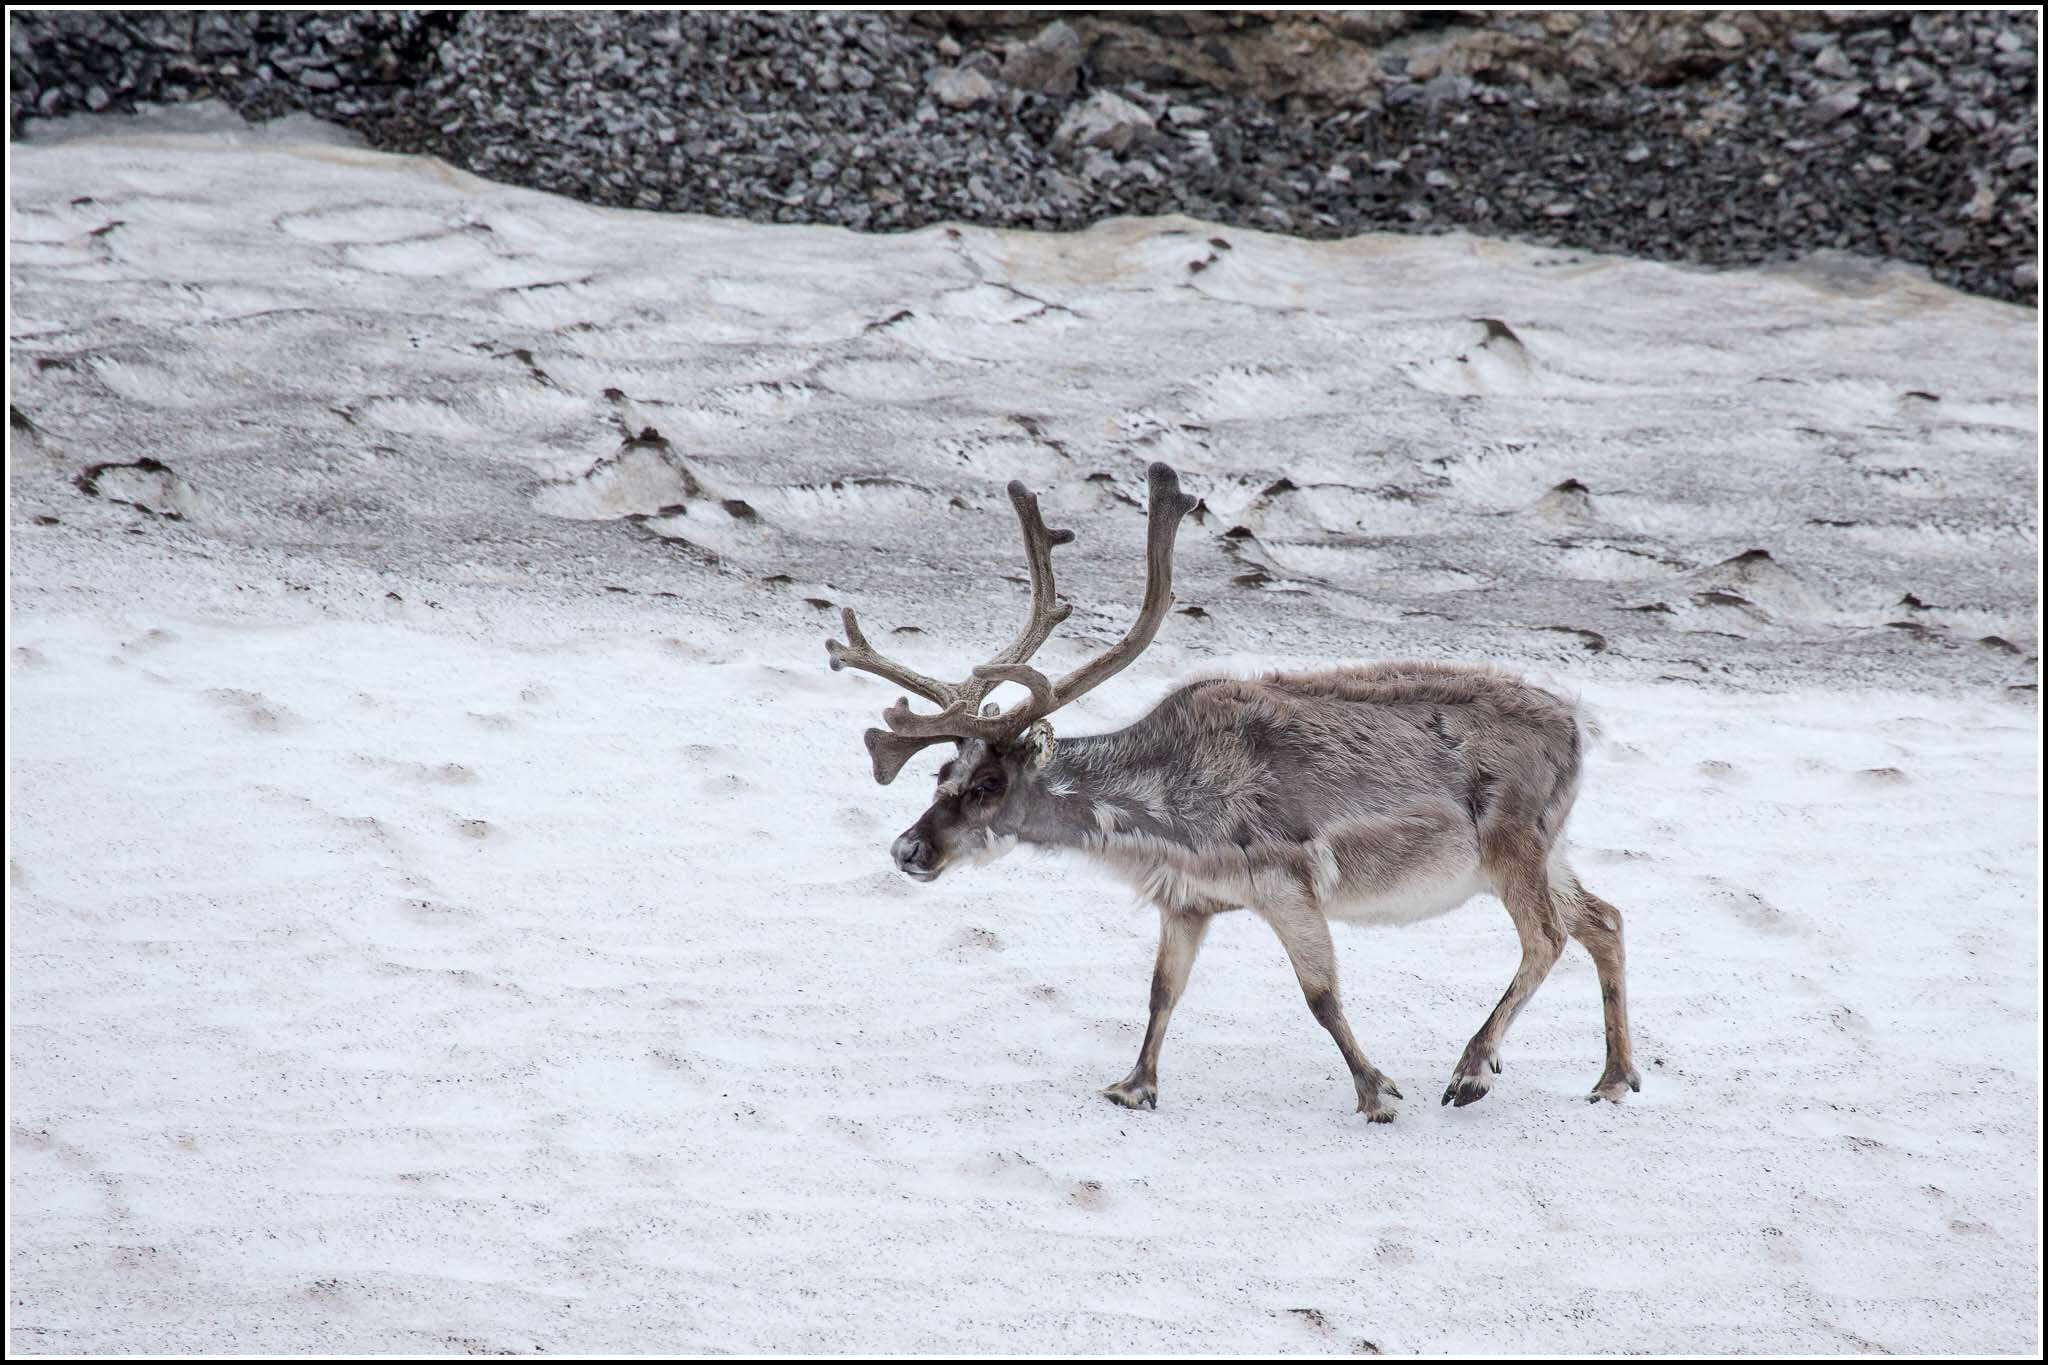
{"x": 1036, "y": 744}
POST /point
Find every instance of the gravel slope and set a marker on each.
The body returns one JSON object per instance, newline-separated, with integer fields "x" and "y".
{"x": 1729, "y": 139}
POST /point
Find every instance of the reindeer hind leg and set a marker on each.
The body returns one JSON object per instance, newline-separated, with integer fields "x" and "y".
{"x": 1597, "y": 924}
{"x": 1519, "y": 863}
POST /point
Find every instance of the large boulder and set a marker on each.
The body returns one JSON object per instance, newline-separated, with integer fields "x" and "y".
{"x": 959, "y": 87}
{"x": 1048, "y": 62}
{"x": 1106, "y": 120}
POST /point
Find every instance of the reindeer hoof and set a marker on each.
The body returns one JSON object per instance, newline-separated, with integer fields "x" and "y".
{"x": 1373, "y": 1102}
{"x": 1464, "y": 1090}
{"x": 1612, "y": 1085}
{"x": 1468, "y": 1078}
{"x": 1132, "y": 1095}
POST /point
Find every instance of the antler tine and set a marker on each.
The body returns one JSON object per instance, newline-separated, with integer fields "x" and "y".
{"x": 951, "y": 723}
{"x": 889, "y": 752}
{"x": 1166, "y": 506}
{"x": 1047, "y": 611}
{"x": 959, "y": 717}
{"x": 1041, "y": 689}
{"x": 858, "y": 653}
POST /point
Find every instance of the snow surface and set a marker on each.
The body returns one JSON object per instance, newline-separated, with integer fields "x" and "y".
{"x": 449, "y": 909}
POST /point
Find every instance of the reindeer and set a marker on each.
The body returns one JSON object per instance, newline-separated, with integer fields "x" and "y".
{"x": 1385, "y": 793}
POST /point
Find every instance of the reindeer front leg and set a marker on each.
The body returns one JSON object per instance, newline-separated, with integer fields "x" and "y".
{"x": 1181, "y": 929}
{"x": 1305, "y": 933}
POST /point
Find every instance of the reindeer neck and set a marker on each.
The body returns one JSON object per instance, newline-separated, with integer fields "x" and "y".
{"x": 1089, "y": 781}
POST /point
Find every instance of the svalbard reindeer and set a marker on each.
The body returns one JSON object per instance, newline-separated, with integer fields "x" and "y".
{"x": 1383, "y": 792}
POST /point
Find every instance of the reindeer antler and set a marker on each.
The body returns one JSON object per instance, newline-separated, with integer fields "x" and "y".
{"x": 959, "y": 716}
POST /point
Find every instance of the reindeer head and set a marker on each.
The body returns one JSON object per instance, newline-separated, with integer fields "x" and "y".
{"x": 1001, "y": 751}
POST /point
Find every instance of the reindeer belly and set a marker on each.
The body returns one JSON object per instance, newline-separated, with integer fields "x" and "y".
{"x": 1421, "y": 898}
{"x": 1376, "y": 869}
{"x": 1398, "y": 869}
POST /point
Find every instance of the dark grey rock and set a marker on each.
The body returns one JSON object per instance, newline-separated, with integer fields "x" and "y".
{"x": 1837, "y": 104}
{"x": 1446, "y": 87}
{"x": 218, "y": 34}
{"x": 1834, "y": 63}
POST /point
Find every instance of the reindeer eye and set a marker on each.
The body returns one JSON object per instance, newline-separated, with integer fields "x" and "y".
{"x": 986, "y": 788}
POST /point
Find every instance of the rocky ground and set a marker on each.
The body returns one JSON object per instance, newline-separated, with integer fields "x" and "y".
{"x": 1718, "y": 138}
